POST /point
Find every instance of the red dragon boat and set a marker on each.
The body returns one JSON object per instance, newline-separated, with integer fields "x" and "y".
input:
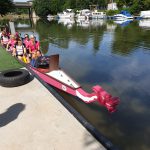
{"x": 47, "y": 68}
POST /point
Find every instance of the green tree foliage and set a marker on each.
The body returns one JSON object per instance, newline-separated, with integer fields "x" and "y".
{"x": 41, "y": 7}
{"x": 20, "y": 11}
{"x": 82, "y": 4}
{"x": 45, "y": 7}
{"x": 55, "y": 6}
{"x": 6, "y": 6}
{"x": 134, "y": 6}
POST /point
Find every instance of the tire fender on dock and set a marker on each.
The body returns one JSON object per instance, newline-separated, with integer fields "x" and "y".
{"x": 13, "y": 78}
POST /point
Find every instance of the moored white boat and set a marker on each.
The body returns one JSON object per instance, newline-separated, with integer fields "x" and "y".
{"x": 83, "y": 14}
{"x": 50, "y": 17}
{"x": 68, "y": 13}
{"x": 97, "y": 15}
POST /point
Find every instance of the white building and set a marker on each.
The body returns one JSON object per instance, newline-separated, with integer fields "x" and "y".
{"x": 112, "y": 6}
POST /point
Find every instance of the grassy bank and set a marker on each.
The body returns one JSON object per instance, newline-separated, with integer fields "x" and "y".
{"x": 7, "y": 61}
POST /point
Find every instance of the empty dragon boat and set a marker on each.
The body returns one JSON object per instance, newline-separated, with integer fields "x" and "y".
{"x": 47, "y": 68}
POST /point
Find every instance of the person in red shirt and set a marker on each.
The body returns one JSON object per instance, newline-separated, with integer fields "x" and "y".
{"x": 26, "y": 41}
{"x": 4, "y": 38}
{"x": 11, "y": 43}
{"x": 34, "y": 46}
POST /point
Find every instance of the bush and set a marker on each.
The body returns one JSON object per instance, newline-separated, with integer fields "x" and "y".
{"x": 112, "y": 12}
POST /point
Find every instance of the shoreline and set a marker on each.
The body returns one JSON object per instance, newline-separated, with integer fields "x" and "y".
{"x": 14, "y": 16}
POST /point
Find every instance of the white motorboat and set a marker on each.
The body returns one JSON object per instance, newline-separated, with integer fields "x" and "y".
{"x": 68, "y": 13}
{"x": 83, "y": 14}
{"x": 123, "y": 15}
{"x": 98, "y": 15}
{"x": 50, "y": 17}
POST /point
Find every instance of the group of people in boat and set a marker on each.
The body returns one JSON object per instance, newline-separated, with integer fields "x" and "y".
{"x": 25, "y": 49}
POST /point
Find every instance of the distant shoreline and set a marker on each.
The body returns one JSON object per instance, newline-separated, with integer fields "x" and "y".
{"x": 14, "y": 16}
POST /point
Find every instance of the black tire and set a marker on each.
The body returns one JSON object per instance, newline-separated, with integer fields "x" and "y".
{"x": 13, "y": 78}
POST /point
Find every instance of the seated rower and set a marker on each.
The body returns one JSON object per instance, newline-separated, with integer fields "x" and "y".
{"x": 34, "y": 46}
{"x": 26, "y": 41}
{"x": 4, "y": 38}
{"x": 11, "y": 43}
{"x": 35, "y": 57}
{"x": 20, "y": 51}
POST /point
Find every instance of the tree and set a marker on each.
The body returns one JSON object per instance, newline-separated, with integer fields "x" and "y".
{"x": 45, "y": 7}
{"x": 20, "y": 11}
{"x": 56, "y": 6}
{"x": 134, "y": 6}
{"x": 41, "y": 7}
{"x": 6, "y": 6}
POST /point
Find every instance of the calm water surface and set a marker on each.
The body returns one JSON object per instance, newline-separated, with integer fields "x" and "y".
{"x": 114, "y": 55}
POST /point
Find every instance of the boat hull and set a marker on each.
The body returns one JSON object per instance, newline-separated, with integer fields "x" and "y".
{"x": 54, "y": 82}
{"x": 98, "y": 94}
{"x": 122, "y": 17}
{"x": 68, "y": 15}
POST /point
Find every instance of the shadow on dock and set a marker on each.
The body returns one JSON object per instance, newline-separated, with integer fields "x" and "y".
{"x": 11, "y": 114}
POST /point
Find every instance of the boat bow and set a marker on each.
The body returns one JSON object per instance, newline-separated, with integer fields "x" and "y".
{"x": 56, "y": 77}
{"x": 100, "y": 95}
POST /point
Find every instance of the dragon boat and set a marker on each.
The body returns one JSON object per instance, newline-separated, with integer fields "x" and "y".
{"x": 47, "y": 68}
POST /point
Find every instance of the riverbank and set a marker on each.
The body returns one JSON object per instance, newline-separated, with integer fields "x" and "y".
{"x": 14, "y": 16}
{"x": 7, "y": 61}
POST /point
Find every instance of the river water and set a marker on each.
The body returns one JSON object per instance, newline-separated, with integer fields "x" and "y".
{"x": 115, "y": 55}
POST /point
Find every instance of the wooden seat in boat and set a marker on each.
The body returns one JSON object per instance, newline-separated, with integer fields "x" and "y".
{"x": 52, "y": 64}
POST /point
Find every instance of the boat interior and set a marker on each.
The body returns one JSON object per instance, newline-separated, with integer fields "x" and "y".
{"x": 52, "y": 69}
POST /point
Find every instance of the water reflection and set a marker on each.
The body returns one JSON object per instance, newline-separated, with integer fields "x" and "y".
{"x": 118, "y": 59}
{"x": 85, "y": 23}
{"x": 67, "y": 22}
{"x": 145, "y": 23}
{"x": 123, "y": 23}
{"x": 97, "y": 23}
{"x": 23, "y": 24}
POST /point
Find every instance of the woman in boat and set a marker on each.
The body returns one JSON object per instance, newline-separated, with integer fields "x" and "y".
{"x": 6, "y": 29}
{"x": 11, "y": 43}
{"x": 4, "y": 38}
{"x": 20, "y": 51}
{"x": 34, "y": 46}
{"x": 26, "y": 41}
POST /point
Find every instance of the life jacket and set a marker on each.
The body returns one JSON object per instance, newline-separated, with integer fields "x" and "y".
{"x": 34, "y": 46}
{"x": 19, "y": 49}
{"x": 11, "y": 44}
